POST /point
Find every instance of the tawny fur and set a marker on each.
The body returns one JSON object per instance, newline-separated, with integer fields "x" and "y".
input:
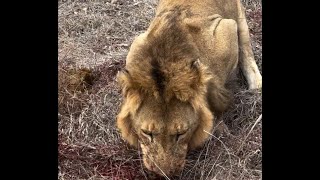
{"x": 175, "y": 77}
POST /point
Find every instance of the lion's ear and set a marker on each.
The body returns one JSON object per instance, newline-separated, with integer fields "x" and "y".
{"x": 124, "y": 124}
{"x": 131, "y": 102}
{"x": 205, "y": 124}
{"x": 206, "y": 121}
{"x": 130, "y": 105}
{"x": 194, "y": 24}
{"x": 198, "y": 23}
{"x": 124, "y": 81}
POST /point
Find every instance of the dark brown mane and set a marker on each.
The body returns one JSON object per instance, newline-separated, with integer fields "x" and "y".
{"x": 168, "y": 43}
{"x": 164, "y": 64}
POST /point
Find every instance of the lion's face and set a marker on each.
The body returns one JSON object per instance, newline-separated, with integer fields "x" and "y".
{"x": 164, "y": 133}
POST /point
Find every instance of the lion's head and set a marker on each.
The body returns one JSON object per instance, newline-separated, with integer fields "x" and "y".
{"x": 163, "y": 128}
{"x": 165, "y": 110}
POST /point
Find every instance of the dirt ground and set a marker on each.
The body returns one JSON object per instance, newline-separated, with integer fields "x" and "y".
{"x": 96, "y": 34}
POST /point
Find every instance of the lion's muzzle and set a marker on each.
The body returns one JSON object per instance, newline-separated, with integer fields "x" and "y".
{"x": 163, "y": 167}
{"x": 164, "y": 163}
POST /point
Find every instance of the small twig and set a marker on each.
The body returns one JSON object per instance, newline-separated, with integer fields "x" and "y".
{"x": 141, "y": 162}
{"x": 224, "y": 147}
{"x": 260, "y": 117}
{"x": 213, "y": 166}
{"x": 158, "y": 167}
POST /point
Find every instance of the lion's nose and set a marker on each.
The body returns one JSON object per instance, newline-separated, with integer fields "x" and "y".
{"x": 172, "y": 171}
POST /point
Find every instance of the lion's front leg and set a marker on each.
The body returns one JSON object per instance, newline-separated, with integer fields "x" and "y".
{"x": 247, "y": 63}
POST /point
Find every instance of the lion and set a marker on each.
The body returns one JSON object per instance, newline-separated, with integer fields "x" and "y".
{"x": 173, "y": 83}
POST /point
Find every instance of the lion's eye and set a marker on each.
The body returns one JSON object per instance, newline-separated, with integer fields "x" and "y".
{"x": 180, "y": 135}
{"x": 147, "y": 134}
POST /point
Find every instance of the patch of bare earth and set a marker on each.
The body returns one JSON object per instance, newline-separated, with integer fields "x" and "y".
{"x": 94, "y": 38}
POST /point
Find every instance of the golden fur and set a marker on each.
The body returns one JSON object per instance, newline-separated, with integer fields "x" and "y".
{"x": 174, "y": 81}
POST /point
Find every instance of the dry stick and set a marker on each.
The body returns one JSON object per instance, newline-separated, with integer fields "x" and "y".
{"x": 159, "y": 168}
{"x": 260, "y": 117}
{"x": 196, "y": 163}
{"x": 214, "y": 129}
{"x": 141, "y": 162}
{"x": 224, "y": 147}
{"x": 119, "y": 168}
{"x": 205, "y": 159}
{"x": 213, "y": 166}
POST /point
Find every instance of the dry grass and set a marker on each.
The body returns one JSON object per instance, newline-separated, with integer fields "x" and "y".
{"x": 96, "y": 35}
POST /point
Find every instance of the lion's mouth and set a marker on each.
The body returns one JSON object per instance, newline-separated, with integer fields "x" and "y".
{"x": 164, "y": 167}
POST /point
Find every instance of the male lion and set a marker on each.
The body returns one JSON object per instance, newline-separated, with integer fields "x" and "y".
{"x": 174, "y": 80}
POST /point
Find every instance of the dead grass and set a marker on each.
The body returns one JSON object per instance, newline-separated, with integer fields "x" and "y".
{"x": 96, "y": 35}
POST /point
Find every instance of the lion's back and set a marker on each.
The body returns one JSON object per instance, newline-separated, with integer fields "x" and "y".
{"x": 226, "y": 8}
